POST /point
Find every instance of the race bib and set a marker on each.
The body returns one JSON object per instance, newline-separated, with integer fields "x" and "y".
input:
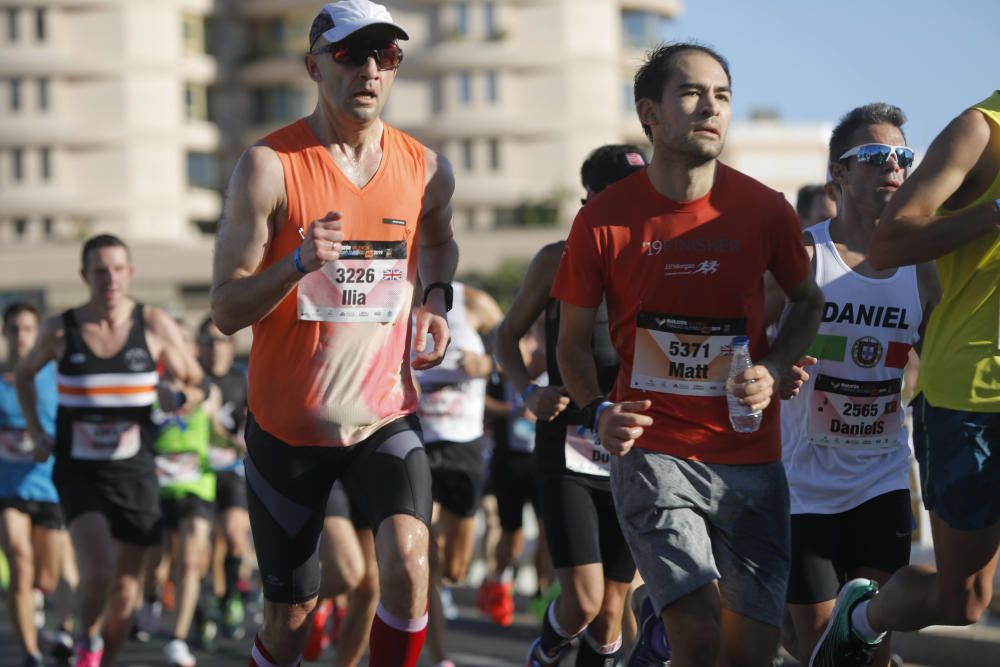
{"x": 851, "y": 413}
{"x": 366, "y": 284}
{"x": 105, "y": 441}
{"x": 177, "y": 468}
{"x": 16, "y": 446}
{"x": 443, "y": 403}
{"x": 685, "y": 356}
{"x": 584, "y": 454}
{"x": 221, "y": 459}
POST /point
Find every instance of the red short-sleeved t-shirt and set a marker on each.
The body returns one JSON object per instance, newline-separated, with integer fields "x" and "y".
{"x": 681, "y": 280}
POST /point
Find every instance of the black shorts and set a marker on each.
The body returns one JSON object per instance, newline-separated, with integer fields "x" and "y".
{"x": 129, "y": 501}
{"x": 288, "y": 489}
{"x": 581, "y": 525}
{"x": 341, "y": 505}
{"x": 176, "y": 510}
{"x": 42, "y": 514}
{"x": 827, "y": 547}
{"x": 458, "y": 475}
{"x": 230, "y": 490}
{"x": 512, "y": 475}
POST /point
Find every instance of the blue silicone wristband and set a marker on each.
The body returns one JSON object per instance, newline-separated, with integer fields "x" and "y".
{"x": 297, "y": 260}
{"x": 597, "y": 413}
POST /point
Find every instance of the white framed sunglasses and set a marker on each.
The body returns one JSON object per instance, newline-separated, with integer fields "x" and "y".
{"x": 878, "y": 154}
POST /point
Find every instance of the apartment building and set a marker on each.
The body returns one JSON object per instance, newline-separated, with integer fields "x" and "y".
{"x": 128, "y": 115}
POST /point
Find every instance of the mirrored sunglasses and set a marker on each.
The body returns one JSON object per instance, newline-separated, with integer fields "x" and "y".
{"x": 356, "y": 55}
{"x": 878, "y": 154}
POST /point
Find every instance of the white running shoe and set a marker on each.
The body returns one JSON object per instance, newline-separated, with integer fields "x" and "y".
{"x": 178, "y": 654}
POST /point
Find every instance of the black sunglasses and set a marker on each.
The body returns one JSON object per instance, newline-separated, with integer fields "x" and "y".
{"x": 356, "y": 55}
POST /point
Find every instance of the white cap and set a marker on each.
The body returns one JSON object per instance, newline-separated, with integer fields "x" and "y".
{"x": 339, "y": 20}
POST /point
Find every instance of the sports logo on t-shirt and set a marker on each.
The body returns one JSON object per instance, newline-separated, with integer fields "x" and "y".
{"x": 137, "y": 359}
{"x": 705, "y": 267}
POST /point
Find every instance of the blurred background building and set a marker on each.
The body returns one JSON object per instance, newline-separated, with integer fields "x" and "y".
{"x": 127, "y": 116}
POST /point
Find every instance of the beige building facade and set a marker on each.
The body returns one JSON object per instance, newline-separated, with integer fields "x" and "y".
{"x": 127, "y": 116}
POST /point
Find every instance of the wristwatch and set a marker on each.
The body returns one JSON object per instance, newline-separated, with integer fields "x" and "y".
{"x": 449, "y": 293}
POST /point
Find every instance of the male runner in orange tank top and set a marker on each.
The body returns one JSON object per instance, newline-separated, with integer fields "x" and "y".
{"x": 327, "y": 224}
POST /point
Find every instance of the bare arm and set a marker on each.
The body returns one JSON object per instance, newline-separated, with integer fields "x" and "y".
{"x": 929, "y": 287}
{"x": 757, "y": 384}
{"x": 908, "y": 231}
{"x": 255, "y": 205}
{"x": 620, "y": 424}
{"x": 169, "y": 346}
{"x": 437, "y": 261}
{"x": 545, "y": 402}
{"x": 529, "y": 303}
{"x": 48, "y": 347}
{"x": 575, "y": 354}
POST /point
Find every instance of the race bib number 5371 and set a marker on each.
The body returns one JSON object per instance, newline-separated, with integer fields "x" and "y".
{"x": 683, "y": 355}
{"x": 366, "y": 284}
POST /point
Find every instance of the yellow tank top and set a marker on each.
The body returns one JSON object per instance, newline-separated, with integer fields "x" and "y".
{"x": 960, "y": 365}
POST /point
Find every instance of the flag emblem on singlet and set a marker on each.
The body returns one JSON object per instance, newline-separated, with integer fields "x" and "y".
{"x": 828, "y": 348}
{"x": 392, "y": 274}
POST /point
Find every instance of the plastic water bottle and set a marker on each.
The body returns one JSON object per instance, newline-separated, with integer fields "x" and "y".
{"x": 740, "y": 417}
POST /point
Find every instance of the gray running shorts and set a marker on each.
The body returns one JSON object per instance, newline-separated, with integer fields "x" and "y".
{"x": 689, "y": 523}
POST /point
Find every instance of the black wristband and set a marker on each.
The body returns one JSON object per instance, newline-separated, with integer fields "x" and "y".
{"x": 589, "y": 411}
{"x": 449, "y": 294}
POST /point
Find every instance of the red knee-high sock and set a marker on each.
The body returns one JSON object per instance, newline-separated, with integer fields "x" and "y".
{"x": 259, "y": 657}
{"x": 396, "y": 642}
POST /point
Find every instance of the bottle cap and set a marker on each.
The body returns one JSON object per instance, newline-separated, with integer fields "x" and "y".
{"x": 741, "y": 340}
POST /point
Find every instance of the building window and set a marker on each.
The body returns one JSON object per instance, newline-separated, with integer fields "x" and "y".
{"x": 12, "y": 18}
{"x": 628, "y": 97}
{"x": 195, "y": 102}
{"x": 461, "y": 19}
{"x": 40, "y": 24}
{"x": 491, "y": 86}
{"x": 45, "y": 164}
{"x": 17, "y": 166}
{"x": 42, "y": 86}
{"x": 495, "y": 154}
{"x": 48, "y": 227}
{"x": 489, "y": 21}
{"x": 193, "y": 28}
{"x": 643, "y": 30}
{"x": 468, "y": 161}
{"x": 465, "y": 88}
{"x": 15, "y": 94}
{"x": 20, "y": 227}
{"x": 203, "y": 171}
{"x": 277, "y": 104}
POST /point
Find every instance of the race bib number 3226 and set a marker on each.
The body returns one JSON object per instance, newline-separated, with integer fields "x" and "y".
{"x": 367, "y": 283}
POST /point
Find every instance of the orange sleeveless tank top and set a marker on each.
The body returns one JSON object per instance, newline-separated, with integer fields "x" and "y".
{"x": 330, "y": 364}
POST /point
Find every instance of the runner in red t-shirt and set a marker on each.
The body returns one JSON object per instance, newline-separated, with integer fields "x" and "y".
{"x": 679, "y": 252}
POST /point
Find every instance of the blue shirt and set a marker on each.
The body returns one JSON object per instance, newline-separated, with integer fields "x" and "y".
{"x": 27, "y": 479}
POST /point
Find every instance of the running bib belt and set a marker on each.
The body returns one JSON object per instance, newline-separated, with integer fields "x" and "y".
{"x": 681, "y": 355}
{"x": 854, "y": 413}
{"x": 110, "y": 440}
{"x": 368, "y": 283}
{"x": 584, "y": 454}
{"x": 16, "y": 446}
